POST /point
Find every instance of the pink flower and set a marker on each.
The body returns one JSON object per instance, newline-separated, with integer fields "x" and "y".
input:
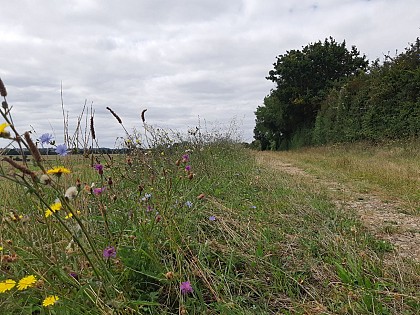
{"x": 186, "y": 287}
{"x": 109, "y": 252}
{"x": 98, "y": 191}
{"x": 99, "y": 168}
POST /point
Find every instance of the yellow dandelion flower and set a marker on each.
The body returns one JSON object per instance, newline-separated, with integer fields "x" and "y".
{"x": 4, "y": 133}
{"x": 58, "y": 170}
{"x": 53, "y": 208}
{"x": 70, "y": 215}
{"x": 50, "y": 300}
{"x": 7, "y": 285}
{"x": 26, "y": 282}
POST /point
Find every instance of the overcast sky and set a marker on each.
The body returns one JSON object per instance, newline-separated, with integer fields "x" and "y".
{"x": 185, "y": 61}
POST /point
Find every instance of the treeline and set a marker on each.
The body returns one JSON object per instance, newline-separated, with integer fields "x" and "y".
{"x": 51, "y": 151}
{"x": 327, "y": 94}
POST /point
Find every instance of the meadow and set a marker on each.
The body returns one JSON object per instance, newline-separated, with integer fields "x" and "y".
{"x": 191, "y": 225}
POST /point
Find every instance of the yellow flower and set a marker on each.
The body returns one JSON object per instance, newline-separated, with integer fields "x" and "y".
{"x": 70, "y": 215}
{"x": 50, "y": 300}
{"x": 7, "y": 285}
{"x": 53, "y": 208}
{"x": 58, "y": 170}
{"x": 4, "y": 133}
{"x": 1, "y": 248}
{"x": 26, "y": 282}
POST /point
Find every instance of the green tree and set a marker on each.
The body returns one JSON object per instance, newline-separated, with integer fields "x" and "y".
{"x": 303, "y": 79}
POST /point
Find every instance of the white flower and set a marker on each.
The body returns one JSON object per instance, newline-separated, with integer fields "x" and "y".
{"x": 71, "y": 192}
{"x": 44, "y": 179}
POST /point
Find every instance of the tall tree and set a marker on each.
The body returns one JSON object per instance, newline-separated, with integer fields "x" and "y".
{"x": 303, "y": 78}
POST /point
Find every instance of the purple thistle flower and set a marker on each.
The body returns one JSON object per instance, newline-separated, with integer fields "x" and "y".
{"x": 61, "y": 149}
{"x": 99, "y": 168}
{"x": 109, "y": 252}
{"x": 188, "y": 168}
{"x": 74, "y": 275}
{"x": 186, "y": 287}
{"x": 98, "y": 191}
{"x": 45, "y": 138}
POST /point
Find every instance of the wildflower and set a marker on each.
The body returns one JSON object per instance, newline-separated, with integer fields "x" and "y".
{"x": 98, "y": 191}
{"x": 61, "y": 149}
{"x": 4, "y": 133}
{"x": 186, "y": 287}
{"x": 71, "y": 192}
{"x": 253, "y": 207}
{"x": 53, "y": 208}
{"x": 212, "y": 218}
{"x": 7, "y": 285}
{"x": 189, "y": 204}
{"x": 58, "y": 170}
{"x": 109, "y": 252}
{"x": 1, "y": 248}
{"x": 45, "y": 179}
{"x": 70, "y": 215}
{"x": 45, "y": 138}
{"x": 26, "y": 282}
{"x": 99, "y": 168}
{"x": 185, "y": 158}
{"x": 188, "y": 168}
{"x": 50, "y": 300}
{"x": 149, "y": 208}
{"x": 74, "y": 275}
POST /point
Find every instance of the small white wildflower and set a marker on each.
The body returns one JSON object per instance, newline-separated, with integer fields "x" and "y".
{"x": 44, "y": 179}
{"x": 71, "y": 192}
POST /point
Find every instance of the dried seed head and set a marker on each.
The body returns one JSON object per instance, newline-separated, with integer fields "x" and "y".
{"x": 3, "y": 91}
{"x": 115, "y": 115}
{"x": 21, "y": 168}
{"x": 32, "y": 147}
{"x": 142, "y": 115}
{"x": 92, "y": 129}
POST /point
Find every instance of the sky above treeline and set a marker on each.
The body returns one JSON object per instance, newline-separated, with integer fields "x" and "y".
{"x": 188, "y": 62}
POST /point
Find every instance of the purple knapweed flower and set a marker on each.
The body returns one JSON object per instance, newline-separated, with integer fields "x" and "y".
{"x": 98, "y": 191}
{"x": 61, "y": 149}
{"x": 188, "y": 168}
{"x": 74, "y": 275}
{"x": 109, "y": 252}
{"x": 186, "y": 287}
{"x": 99, "y": 168}
{"x": 185, "y": 158}
{"x": 45, "y": 138}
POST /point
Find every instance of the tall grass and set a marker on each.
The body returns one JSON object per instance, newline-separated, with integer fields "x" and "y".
{"x": 391, "y": 169}
{"x": 184, "y": 226}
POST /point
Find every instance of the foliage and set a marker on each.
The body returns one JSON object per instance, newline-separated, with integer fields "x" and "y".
{"x": 381, "y": 104}
{"x": 303, "y": 78}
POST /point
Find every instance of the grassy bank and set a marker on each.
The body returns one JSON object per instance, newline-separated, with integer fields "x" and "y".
{"x": 197, "y": 229}
{"x": 391, "y": 170}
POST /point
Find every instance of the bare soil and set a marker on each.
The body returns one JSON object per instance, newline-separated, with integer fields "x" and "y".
{"x": 384, "y": 218}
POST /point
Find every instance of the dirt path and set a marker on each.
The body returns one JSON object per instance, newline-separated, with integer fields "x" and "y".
{"x": 384, "y": 219}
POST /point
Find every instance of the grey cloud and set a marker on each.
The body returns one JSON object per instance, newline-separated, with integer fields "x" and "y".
{"x": 180, "y": 60}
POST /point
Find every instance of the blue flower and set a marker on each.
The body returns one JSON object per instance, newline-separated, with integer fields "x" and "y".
{"x": 212, "y": 218}
{"x": 61, "y": 149}
{"x": 189, "y": 204}
{"x": 45, "y": 138}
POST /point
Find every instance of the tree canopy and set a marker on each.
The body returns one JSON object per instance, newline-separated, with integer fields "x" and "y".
{"x": 303, "y": 79}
